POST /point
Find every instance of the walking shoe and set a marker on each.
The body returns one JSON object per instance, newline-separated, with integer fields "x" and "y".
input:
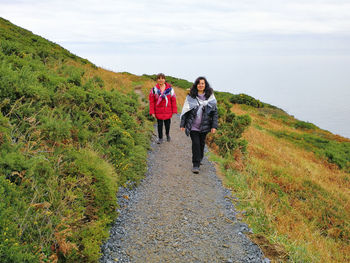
{"x": 168, "y": 138}
{"x": 160, "y": 141}
{"x": 195, "y": 170}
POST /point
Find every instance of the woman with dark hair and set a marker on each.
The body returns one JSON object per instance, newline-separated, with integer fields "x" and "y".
{"x": 198, "y": 117}
{"x": 162, "y": 105}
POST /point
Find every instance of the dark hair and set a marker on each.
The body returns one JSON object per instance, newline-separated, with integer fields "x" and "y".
{"x": 160, "y": 76}
{"x": 207, "y": 91}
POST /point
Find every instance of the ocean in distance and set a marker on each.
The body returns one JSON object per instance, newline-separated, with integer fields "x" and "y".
{"x": 312, "y": 89}
{"x": 316, "y": 91}
{"x": 328, "y": 112}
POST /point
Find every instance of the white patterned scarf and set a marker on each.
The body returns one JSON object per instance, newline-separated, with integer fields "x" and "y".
{"x": 191, "y": 103}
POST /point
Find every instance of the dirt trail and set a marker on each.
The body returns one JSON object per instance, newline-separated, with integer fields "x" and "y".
{"x": 177, "y": 216}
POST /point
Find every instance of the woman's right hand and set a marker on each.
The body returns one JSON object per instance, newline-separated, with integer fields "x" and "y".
{"x": 154, "y": 115}
{"x": 182, "y": 129}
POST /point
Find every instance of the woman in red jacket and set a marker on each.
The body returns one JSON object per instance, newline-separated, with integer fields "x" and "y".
{"x": 162, "y": 105}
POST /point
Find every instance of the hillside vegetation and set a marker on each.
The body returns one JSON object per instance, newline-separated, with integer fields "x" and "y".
{"x": 293, "y": 186}
{"x": 72, "y": 133}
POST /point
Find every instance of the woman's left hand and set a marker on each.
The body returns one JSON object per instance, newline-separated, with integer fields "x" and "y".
{"x": 213, "y": 130}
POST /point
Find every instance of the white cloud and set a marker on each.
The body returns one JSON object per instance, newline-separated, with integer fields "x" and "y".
{"x": 178, "y": 20}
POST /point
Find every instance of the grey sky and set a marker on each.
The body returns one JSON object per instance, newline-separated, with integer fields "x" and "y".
{"x": 293, "y": 54}
{"x": 182, "y": 21}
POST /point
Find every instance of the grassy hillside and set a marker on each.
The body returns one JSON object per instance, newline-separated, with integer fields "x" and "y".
{"x": 292, "y": 185}
{"x": 70, "y": 134}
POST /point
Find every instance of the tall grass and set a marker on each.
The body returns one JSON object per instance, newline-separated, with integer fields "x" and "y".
{"x": 296, "y": 201}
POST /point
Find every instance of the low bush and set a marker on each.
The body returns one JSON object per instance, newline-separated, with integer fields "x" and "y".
{"x": 246, "y": 99}
{"x": 98, "y": 81}
{"x": 228, "y": 137}
{"x": 305, "y": 125}
{"x": 12, "y": 217}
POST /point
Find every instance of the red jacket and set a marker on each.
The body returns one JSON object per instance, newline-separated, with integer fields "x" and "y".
{"x": 162, "y": 104}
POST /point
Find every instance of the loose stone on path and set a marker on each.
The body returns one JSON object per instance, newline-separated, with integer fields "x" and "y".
{"x": 177, "y": 216}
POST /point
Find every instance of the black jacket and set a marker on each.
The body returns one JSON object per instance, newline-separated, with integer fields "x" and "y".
{"x": 209, "y": 119}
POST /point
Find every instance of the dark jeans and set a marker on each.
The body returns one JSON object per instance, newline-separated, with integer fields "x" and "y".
{"x": 198, "y": 143}
{"x": 160, "y": 127}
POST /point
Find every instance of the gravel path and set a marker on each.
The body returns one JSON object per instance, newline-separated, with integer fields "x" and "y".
{"x": 177, "y": 216}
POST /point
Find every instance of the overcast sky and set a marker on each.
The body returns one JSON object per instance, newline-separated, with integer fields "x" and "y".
{"x": 293, "y": 54}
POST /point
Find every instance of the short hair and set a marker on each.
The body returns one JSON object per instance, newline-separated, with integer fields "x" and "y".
{"x": 207, "y": 91}
{"x": 160, "y": 76}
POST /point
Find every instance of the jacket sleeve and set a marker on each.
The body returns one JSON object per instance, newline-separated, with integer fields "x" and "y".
{"x": 183, "y": 117}
{"x": 183, "y": 120}
{"x": 151, "y": 102}
{"x": 215, "y": 118}
{"x": 173, "y": 102}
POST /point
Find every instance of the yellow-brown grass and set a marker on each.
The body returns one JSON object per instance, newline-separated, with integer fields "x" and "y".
{"x": 121, "y": 81}
{"x": 269, "y": 155}
{"x": 180, "y": 96}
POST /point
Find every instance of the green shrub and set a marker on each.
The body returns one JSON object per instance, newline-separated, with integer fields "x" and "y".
{"x": 12, "y": 212}
{"x": 5, "y": 128}
{"x": 95, "y": 198}
{"x": 43, "y": 54}
{"x": 56, "y": 128}
{"x": 246, "y": 99}
{"x": 75, "y": 77}
{"x": 10, "y": 48}
{"x": 230, "y": 131}
{"x": 305, "y": 125}
{"x": 98, "y": 81}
